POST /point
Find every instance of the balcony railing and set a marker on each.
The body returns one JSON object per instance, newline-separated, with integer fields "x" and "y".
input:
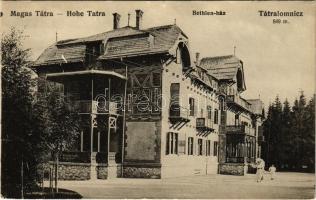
{"x": 234, "y": 99}
{"x": 75, "y": 157}
{"x": 202, "y": 124}
{"x": 108, "y": 107}
{"x": 261, "y": 138}
{"x": 242, "y": 129}
{"x": 240, "y": 160}
{"x": 178, "y": 113}
{"x": 88, "y": 106}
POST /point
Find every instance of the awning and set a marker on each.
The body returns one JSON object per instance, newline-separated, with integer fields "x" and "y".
{"x": 58, "y": 77}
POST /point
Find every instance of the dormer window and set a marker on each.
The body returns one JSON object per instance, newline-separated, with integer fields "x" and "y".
{"x": 93, "y": 51}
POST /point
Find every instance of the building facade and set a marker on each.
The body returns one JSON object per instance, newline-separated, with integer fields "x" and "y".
{"x": 149, "y": 109}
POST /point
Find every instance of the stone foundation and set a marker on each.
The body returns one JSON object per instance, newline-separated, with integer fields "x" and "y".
{"x": 82, "y": 171}
{"x": 73, "y": 171}
{"x": 141, "y": 172}
{"x": 233, "y": 168}
{"x": 102, "y": 171}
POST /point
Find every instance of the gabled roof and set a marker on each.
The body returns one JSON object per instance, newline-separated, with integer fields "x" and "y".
{"x": 120, "y": 32}
{"x": 256, "y": 106}
{"x": 222, "y": 67}
{"x": 125, "y": 41}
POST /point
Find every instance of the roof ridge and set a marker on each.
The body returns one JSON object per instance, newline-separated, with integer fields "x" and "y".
{"x": 215, "y": 57}
{"x": 162, "y": 26}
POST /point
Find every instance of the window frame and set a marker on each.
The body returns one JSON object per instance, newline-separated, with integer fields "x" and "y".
{"x": 190, "y": 146}
{"x": 208, "y": 147}
{"x": 172, "y": 143}
{"x": 216, "y": 116}
{"x": 192, "y": 106}
{"x": 215, "y": 148}
{"x": 200, "y": 146}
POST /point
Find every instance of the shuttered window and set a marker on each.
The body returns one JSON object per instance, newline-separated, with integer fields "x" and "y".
{"x": 216, "y": 116}
{"x": 172, "y": 143}
{"x": 190, "y": 145}
{"x": 191, "y": 103}
{"x": 200, "y": 147}
{"x": 209, "y": 112}
{"x": 208, "y": 147}
{"x": 215, "y": 148}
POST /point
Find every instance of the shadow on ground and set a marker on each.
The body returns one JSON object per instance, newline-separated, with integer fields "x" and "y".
{"x": 47, "y": 194}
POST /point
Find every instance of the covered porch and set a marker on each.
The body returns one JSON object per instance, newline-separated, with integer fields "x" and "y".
{"x": 99, "y": 98}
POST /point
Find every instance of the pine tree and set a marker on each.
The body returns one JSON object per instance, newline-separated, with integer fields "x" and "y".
{"x": 299, "y": 128}
{"x": 17, "y": 135}
{"x": 285, "y": 138}
{"x": 308, "y": 139}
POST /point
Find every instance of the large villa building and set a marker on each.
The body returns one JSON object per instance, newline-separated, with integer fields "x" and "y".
{"x": 151, "y": 109}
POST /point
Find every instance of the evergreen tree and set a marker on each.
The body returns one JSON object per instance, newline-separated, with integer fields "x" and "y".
{"x": 308, "y": 140}
{"x": 57, "y": 122}
{"x": 298, "y": 128}
{"x": 290, "y": 134}
{"x": 275, "y": 132}
{"x": 285, "y": 138}
{"x": 17, "y": 135}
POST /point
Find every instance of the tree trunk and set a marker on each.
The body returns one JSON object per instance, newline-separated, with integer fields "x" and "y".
{"x": 56, "y": 172}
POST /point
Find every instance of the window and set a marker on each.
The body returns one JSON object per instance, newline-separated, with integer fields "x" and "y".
{"x": 215, "y": 148}
{"x": 172, "y": 143}
{"x": 222, "y": 104}
{"x": 209, "y": 112}
{"x": 191, "y": 103}
{"x": 200, "y": 147}
{"x": 156, "y": 79}
{"x": 216, "y": 116}
{"x": 237, "y": 119}
{"x": 208, "y": 147}
{"x": 190, "y": 146}
{"x": 174, "y": 93}
{"x": 174, "y": 99}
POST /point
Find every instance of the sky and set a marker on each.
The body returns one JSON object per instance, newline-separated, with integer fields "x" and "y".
{"x": 279, "y": 59}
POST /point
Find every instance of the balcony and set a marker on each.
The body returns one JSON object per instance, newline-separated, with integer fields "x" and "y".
{"x": 261, "y": 138}
{"x": 178, "y": 114}
{"x": 242, "y": 129}
{"x": 238, "y": 102}
{"x": 202, "y": 125}
{"x": 86, "y": 106}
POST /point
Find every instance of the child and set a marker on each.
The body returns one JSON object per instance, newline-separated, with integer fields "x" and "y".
{"x": 272, "y": 170}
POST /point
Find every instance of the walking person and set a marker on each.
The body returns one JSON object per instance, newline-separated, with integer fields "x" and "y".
{"x": 272, "y": 171}
{"x": 260, "y": 169}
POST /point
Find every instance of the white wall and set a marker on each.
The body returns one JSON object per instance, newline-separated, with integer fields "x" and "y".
{"x": 184, "y": 164}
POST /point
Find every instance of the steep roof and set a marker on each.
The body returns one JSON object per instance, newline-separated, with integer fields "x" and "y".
{"x": 53, "y": 54}
{"x": 222, "y": 67}
{"x": 256, "y": 106}
{"x": 125, "y": 41}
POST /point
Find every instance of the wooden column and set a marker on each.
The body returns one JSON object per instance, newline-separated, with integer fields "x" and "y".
{"x": 81, "y": 141}
{"x": 124, "y": 119}
{"x": 109, "y": 130}
{"x": 91, "y": 125}
{"x": 98, "y": 141}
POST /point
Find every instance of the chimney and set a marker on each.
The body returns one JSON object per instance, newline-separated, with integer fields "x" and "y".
{"x": 139, "y": 15}
{"x": 197, "y": 58}
{"x": 116, "y": 20}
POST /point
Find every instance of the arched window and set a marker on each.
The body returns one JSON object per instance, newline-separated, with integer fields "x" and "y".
{"x": 184, "y": 54}
{"x": 239, "y": 80}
